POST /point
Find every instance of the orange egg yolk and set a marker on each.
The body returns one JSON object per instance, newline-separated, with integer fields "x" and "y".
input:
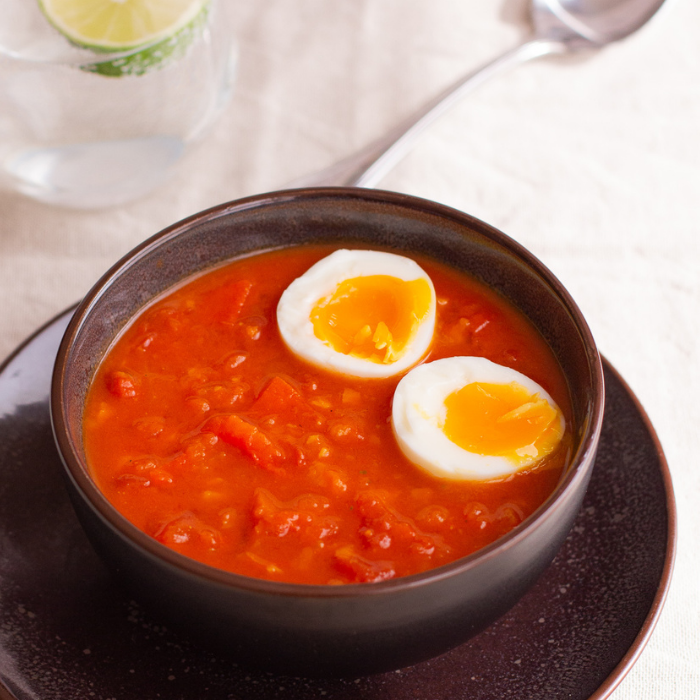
{"x": 502, "y": 420}
{"x": 372, "y": 317}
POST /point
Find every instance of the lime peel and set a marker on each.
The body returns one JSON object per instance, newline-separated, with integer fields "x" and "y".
{"x": 154, "y": 41}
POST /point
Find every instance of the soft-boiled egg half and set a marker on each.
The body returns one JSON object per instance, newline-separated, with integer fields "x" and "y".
{"x": 469, "y": 418}
{"x": 363, "y": 313}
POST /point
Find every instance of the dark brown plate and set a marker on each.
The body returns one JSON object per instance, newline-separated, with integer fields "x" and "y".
{"x": 68, "y": 632}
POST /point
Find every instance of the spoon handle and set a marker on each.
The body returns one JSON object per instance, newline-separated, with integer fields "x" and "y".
{"x": 367, "y": 167}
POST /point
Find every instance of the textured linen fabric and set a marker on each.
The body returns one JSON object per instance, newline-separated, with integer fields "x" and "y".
{"x": 591, "y": 161}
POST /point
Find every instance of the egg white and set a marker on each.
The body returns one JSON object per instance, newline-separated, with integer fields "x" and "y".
{"x": 321, "y": 280}
{"x": 419, "y": 411}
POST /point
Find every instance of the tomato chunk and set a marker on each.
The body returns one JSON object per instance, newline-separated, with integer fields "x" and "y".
{"x": 271, "y": 517}
{"x": 186, "y": 528}
{"x": 280, "y": 398}
{"x": 361, "y": 569}
{"x": 252, "y": 441}
{"x": 304, "y": 515}
{"x": 121, "y": 384}
{"x": 236, "y": 294}
{"x": 383, "y": 527}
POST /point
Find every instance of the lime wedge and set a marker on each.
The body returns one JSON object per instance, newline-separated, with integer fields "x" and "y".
{"x": 149, "y": 32}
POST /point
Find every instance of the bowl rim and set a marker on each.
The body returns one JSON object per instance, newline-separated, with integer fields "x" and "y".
{"x": 77, "y": 472}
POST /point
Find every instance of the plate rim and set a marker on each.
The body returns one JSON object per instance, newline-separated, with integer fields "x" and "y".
{"x": 624, "y": 666}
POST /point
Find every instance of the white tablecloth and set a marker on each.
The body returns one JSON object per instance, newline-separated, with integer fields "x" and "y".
{"x": 592, "y": 162}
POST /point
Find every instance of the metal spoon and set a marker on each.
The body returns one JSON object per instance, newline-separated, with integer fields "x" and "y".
{"x": 559, "y": 27}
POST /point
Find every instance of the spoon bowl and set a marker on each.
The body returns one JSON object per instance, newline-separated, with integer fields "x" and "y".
{"x": 598, "y": 22}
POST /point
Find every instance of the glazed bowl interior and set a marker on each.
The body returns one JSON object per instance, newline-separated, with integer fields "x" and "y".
{"x": 343, "y": 217}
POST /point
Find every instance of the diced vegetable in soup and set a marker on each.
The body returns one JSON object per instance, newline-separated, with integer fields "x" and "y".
{"x": 258, "y": 428}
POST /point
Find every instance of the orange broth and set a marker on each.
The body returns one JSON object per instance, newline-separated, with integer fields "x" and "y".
{"x": 204, "y": 431}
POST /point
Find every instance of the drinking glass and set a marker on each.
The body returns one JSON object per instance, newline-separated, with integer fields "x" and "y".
{"x": 87, "y": 129}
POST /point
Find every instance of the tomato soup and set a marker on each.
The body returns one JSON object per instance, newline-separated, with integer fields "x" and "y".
{"x": 204, "y": 430}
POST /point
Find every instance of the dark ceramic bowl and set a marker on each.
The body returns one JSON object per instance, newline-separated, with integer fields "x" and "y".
{"x": 354, "y": 629}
